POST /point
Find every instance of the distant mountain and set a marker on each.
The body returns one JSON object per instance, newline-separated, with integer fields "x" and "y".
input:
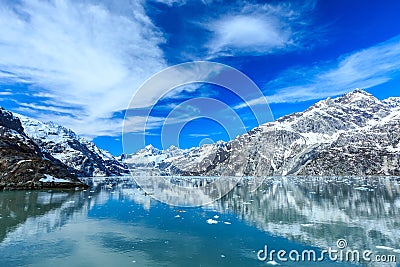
{"x": 22, "y": 163}
{"x": 355, "y": 134}
{"x": 83, "y": 157}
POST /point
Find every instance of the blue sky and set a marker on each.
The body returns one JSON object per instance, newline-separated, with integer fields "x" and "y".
{"x": 78, "y": 63}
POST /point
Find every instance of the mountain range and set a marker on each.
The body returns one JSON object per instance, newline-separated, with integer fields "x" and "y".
{"x": 23, "y": 164}
{"x": 35, "y": 154}
{"x": 354, "y": 134}
{"x": 83, "y": 157}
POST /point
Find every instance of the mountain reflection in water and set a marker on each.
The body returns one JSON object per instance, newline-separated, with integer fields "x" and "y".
{"x": 115, "y": 222}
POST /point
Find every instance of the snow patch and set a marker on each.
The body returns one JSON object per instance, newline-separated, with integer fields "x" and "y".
{"x": 49, "y": 179}
{"x": 24, "y": 160}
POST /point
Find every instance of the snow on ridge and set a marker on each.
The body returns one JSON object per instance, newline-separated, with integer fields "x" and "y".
{"x": 50, "y": 131}
{"x": 74, "y": 151}
{"x": 328, "y": 122}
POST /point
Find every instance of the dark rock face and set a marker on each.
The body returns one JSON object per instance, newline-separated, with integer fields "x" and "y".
{"x": 8, "y": 121}
{"x": 355, "y": 134}
{"x": 23, "y": 165}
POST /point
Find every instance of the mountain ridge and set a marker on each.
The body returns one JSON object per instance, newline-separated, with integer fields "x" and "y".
{"x": 79, "y": 154}
{"x": 23, "y": 165}
{"x": 354, "y": 134}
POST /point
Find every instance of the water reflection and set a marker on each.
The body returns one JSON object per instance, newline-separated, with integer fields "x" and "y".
{"x": 318, "y": 211}
{"x": 26, "y": 212}
{"x": 116, "y": 222}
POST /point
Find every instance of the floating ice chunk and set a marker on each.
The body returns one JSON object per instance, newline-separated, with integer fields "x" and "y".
{"x": 211, "y": 221}
{"x": 177, "y": 216}
{"x": 272, "y": 263}
{"x": 216, "y": 216}
{"x": 222, "y": 256}
{"x": 109, "y": 186}
{"x": 182, "y": 211}
{"x": 227, "y": 223}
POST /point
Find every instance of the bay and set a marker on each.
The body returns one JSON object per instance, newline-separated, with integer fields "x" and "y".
{"x": 116, "y": 223}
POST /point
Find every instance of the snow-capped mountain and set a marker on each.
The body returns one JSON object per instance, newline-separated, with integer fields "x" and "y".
{"x": 79, "y": 154}
{"x": 23, "y": 165}
{"x": 146, "y": 157}
{"x": 355, "y": 134}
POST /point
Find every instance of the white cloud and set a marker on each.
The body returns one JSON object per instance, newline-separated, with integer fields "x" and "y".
{"x": 45, "y": 108}
{"x": 139, "y": 124}
{"x": 253, "y": 102}
{"x": 5, "y": 93}
{"x": 361, "y": 69}
{"x": 173, "y": 81}
{"x": 172, "y": 2}
{"x": 80, "y": 55}
{"x": 200, "y": 135}
{"x": 251, "y": 32}
{"x": 258, "y": 29}
{"x": 83, "y": 60}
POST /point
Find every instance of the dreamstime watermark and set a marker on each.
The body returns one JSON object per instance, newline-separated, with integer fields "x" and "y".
{"x": 340, "y": 253}
{"x": 142, "y": 116}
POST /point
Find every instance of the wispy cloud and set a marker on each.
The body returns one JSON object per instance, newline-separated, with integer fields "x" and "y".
{"x": 361, "y": 69}
{"x": 82, "y": 61}
{"x": 253, "y": 102}
{"x": 258, "y": 29}
{"x": 172, "y": 2}
{"x": 86, "y": 55}
{"x": 5, "y": 93}
{"x": 199, "y": 135}
{"x": 46, "y": 108}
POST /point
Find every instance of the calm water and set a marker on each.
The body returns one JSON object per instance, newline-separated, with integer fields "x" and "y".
{"x": 119, "y": 225}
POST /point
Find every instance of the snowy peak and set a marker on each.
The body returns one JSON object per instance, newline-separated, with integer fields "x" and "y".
{"x": 358, "y": 98}
{"x": 79, "y": 154}
{"x": 150, "y": 149}
{"x": 350, "y": 111}
{"x": 45, "y": 130}
{"x": 354, "y": 134}
{"x": 23, "y": 164}
{"x": 357, "y": 94}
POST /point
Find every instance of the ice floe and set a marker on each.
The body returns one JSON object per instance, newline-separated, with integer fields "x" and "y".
{"x": 211, "y": 221}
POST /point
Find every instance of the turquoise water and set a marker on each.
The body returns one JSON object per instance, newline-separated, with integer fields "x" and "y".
{"x": 116, "y": 224}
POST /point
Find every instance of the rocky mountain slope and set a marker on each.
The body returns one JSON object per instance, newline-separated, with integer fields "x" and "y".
{"x": 355, "y": 134}
{"x": 83, "y": 157}
{"x": 22, "y": 163}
